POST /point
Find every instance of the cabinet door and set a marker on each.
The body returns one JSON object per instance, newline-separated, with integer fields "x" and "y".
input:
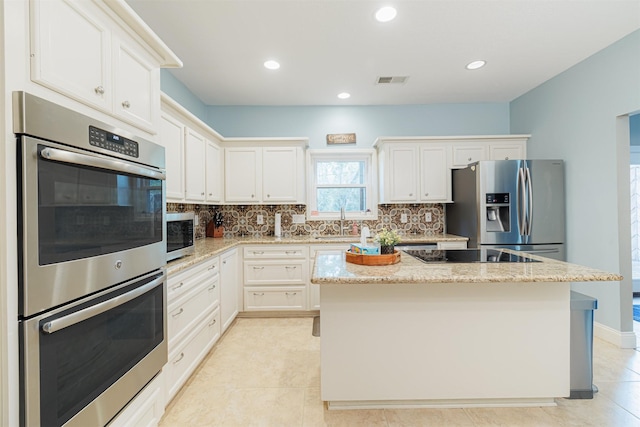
{"x": 136, "y": 83}
{"x": 194, "y": 166}
{"x": 279, "y": 174}
{"x": 243, "y": 168}
{"x": 172, "y": 138}
{"x": 213, "y": 172}
{"x": 229, "y": 288}
{"x": 403, "y": 174}
{"x": 435, "y": 183}
{"x": 71, "y": 51}
{"x": 507, "y": 151}
{"x": 465, "y": 154}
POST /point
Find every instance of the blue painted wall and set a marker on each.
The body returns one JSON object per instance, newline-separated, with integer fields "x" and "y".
{"x": 574, "y": 116}
{"x": 634, "y": 129}
{"x": 182, "y": 95}
{"x": 367, "y": 122}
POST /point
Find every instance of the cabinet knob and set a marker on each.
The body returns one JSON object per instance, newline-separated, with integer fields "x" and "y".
{"x": 469, "y": 159}
{"x": 268, "y": 195}
{"x": 210, "y": 194}
{"x": 126, "y": 104}
{"x": 506, "y": 158}
{"x": 410, "y": 194}
{"x": 426, "y": 194}
{"x": 99, "y": 90}
{"x": 202, "y": 194}
{"x": 252, "y": 196}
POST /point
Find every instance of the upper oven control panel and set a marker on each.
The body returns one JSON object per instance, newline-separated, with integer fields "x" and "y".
{"x": 112, "y": 142}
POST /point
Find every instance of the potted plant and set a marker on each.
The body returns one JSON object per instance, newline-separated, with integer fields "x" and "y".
{"x": 387, "y": 240}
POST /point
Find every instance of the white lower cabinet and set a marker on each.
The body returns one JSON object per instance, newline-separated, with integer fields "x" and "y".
{"x": 229, "y": 284}
{"x": 146, "y": 409}
{"x": 193, "y": 321}
{"x": 275, "y": 277}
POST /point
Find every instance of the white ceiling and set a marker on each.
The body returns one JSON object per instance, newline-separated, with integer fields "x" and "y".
{"x": 330, "y": 46}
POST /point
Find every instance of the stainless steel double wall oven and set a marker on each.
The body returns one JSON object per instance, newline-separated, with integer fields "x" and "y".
{"x": 92, "y": 287}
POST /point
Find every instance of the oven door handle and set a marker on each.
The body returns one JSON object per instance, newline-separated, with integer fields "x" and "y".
{"x": 99, "y": 162}
{"x": 84, "y": 314}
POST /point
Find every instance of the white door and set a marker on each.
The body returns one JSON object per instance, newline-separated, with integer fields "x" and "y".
{"x": 71, "y": 51}
{"x": 229, "y": 287}
{"x": 194, "y": 166}
{"x": 172, "y": 138}
{"x": 243, "y": 168}
{"x": 279, "y": 174}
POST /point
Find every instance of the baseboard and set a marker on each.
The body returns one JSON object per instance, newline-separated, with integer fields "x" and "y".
{"x": 615, "y": 337}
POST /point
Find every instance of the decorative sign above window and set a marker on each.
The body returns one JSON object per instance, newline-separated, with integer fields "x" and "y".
{"x": 341, "y": 138}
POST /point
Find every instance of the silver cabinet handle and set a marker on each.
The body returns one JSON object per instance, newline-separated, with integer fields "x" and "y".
{"x": 213, "y": 322}
{"x": 178, "y": 286}
{"x": 291, "y": 294}
{"x": 126, "y": 104}
{"x": 261, "y": 294}
{"x": 84, "y": 314}
{"x": 179, "y": 358}
{"x": 178, "y": 313}
{"x": 212, "y": 288}
{"x": 258, "y": 252}
{"x": 64, "y": 156}
{"x": 258, "y": 268}
{"x": 99, "y": 90}
{"x": 289, "y": 267}
{"x": 213, "y": 267}
{"x": 290, "y": 252}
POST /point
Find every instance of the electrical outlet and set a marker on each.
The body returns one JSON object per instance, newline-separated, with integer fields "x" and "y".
{"x": 260, "y": 219}
{"x": 403, "y": 218}
{"x": 427, "y": 217}
{"x": 196, "y": 220}
{"x": 297, "y": 219}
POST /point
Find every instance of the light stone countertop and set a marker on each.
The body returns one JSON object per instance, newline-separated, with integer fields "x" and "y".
{"x": 332, "y": 268}
{"x": 208, "y": 247}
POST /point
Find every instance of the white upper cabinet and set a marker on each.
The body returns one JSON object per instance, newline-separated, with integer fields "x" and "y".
{"x": 403, "y": 173}
{"x": 195, "y": 178}
{"x": 264, "y": 170}
{"x": 243, "y": 174}
{"x": 172, "y": 138}
{"x": 136, "y": 85}
{"x": 100, "y": 54}
{"x": 71, "y": 51}
{"x": 214, "y": 177}
{"x": 435, "y": 182}
{"x": 418, "y": 169}
{"x": 280, "y": 174}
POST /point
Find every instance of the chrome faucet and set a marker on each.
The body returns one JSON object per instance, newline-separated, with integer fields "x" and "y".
{"x": 343, "y": 217}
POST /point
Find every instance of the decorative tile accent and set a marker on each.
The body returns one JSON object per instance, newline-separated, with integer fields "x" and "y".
{"x": 241, "y": 220}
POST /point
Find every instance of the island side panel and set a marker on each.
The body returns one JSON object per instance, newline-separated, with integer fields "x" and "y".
{"x": 491, "y": 343}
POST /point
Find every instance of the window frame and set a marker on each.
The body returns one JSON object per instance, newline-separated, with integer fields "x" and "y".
{"x": 369, "y": 156}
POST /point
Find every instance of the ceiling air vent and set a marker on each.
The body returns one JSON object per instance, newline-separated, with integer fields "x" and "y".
{"x": 393, "y": 79}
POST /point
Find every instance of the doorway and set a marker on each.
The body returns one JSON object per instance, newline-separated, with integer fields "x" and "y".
{"x": 634, "y": 183}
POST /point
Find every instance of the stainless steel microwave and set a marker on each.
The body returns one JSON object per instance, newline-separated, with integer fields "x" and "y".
{"x": 181, "y": 234}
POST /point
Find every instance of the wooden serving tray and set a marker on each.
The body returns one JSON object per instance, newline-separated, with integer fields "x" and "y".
{"x": 386, "y": 259}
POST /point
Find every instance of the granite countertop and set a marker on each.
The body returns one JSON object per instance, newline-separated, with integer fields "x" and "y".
{"x": 332, "y": 268}
{"x": 208, "y": 247}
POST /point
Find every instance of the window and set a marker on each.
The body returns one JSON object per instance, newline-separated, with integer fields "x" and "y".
{"x": 341, "y": 179}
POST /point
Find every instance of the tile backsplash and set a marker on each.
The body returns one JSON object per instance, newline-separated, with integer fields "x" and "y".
{"x": 242, "y": 220}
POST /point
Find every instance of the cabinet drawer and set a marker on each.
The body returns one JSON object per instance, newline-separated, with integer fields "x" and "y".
{"x": 464, "y": 155}
{"x": 185, "y": 313}
{"x": 507, "y": 152}
{"x": 277, "y": 252}
{"x": 274, "y": 298}
{"x": 183, "y": 361}
{"x": 275, "y": 272}
{"x": 180, "y": 283}
{"x": 452, "y": 245}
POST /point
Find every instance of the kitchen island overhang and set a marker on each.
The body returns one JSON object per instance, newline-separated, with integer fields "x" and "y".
{"x": 445, "y": 335}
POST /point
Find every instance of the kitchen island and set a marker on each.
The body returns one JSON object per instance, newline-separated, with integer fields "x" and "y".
{"x": 420, "y": 334}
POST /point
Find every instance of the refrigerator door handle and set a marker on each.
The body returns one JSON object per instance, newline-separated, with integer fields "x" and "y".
{"x": 530, "y": 202}
{"x": 520, "y": 201}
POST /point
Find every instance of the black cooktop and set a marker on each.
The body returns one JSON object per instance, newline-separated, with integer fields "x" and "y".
{"x": 467, "y": 255}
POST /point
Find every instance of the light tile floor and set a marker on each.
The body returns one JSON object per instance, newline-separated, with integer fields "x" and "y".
{"x": 266, "y": 372}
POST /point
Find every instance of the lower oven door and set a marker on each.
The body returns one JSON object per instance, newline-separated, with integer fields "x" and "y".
{"x": 81, "y": 364}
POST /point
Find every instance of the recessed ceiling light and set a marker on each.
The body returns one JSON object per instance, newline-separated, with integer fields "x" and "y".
{"x": 344, "y": 95}
{"x": 386, "y": 14}
{"x": 271, "y": 64}
{"x": 476, "y": 64}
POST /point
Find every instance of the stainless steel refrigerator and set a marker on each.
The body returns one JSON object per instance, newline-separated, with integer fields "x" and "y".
{"x": 516, "y": 204}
